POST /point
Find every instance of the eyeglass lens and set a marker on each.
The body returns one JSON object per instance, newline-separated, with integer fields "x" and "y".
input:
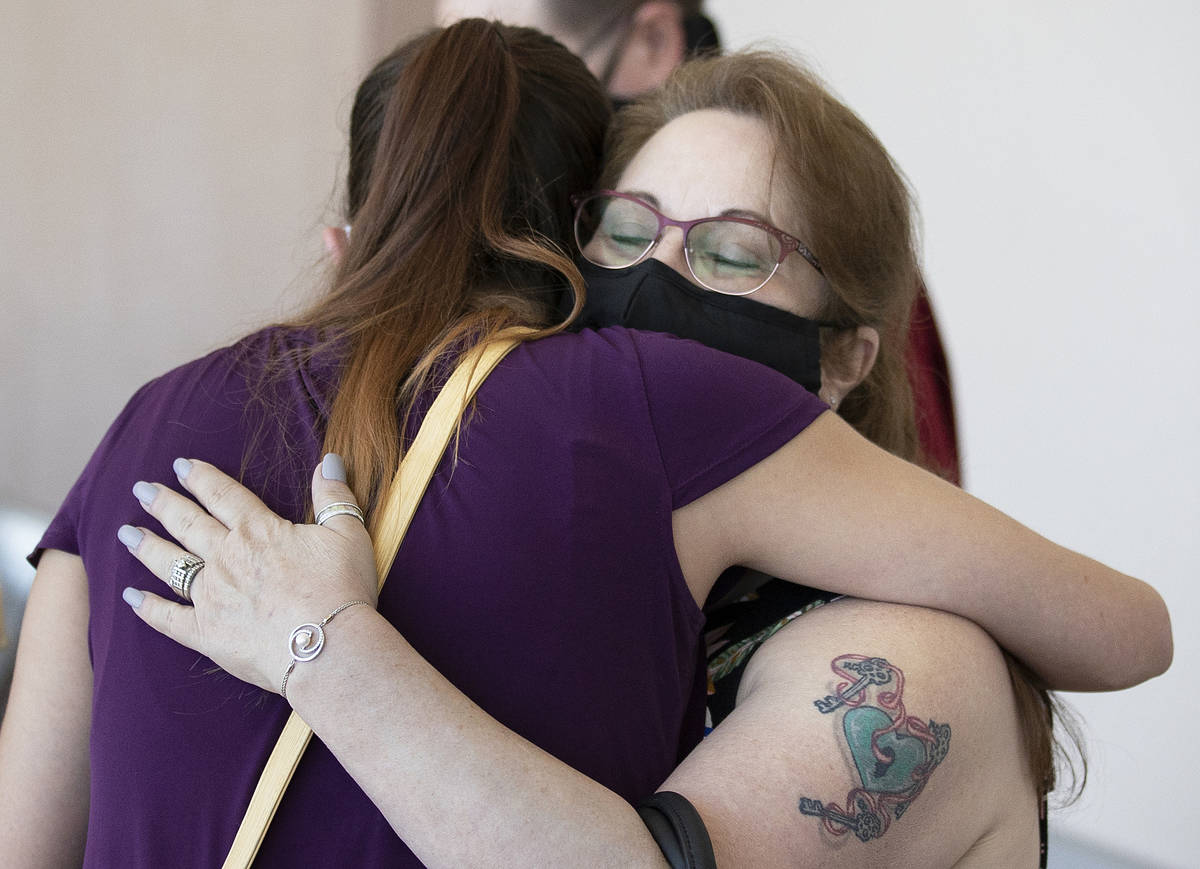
{"x": 724, "y": 255}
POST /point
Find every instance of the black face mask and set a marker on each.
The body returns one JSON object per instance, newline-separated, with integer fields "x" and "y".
{"x": 655, "y": 297}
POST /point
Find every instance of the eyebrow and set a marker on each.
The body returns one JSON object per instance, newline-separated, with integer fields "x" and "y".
{"x": 728, "y": 212}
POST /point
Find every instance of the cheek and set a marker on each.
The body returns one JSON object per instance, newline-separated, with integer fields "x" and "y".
{"x": 799, "y": 291}
{"x": 778, "y": 296}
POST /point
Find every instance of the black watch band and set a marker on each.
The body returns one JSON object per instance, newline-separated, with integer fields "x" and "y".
{"x": 680, "y": 833}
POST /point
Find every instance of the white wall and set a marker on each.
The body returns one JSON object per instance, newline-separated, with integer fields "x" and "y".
{"x": 164, "y": 171}
{"x": 1052, "y": 147}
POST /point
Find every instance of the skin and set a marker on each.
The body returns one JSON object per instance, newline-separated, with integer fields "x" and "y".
{"x": 738, "y": 156}
{"x": 44, "y": 770}
{"x": 476, "y": 774}
{"x": 827, "y": 508}
{"x": 980, "y": 805}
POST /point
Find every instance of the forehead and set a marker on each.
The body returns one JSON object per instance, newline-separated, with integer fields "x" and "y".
{"x": 708, "y": 162}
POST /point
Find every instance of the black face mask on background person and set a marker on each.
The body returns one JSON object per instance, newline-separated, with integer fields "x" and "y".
{"x": 654, "y": 297}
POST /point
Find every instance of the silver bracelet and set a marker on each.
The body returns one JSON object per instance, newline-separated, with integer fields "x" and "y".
{"x": 307, "y": 641}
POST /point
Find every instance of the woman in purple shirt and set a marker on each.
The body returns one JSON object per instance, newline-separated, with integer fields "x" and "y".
{"x": 553, "y": 574}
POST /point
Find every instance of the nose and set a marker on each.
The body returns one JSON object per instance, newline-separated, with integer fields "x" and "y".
{"x": 669, "y": 251}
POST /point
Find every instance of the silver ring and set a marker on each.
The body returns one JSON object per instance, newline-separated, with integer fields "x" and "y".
{"x": 183, "y": 572}
{"x": 340, "y": 508}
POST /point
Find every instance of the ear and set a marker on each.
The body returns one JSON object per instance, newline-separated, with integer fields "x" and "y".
{"x": 655, "y": 46}
{"x": 848, "y": 360}
{"x": 336, "y": 238}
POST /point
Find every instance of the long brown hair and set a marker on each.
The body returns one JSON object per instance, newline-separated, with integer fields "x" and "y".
{"x": 851, "y": 201}
{"x": 462, "y": 229}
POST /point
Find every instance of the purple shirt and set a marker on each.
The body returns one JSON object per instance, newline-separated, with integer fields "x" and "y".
{"x": 539, "y": 575}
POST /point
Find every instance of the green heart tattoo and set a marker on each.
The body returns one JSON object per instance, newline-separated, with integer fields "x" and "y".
{"x": 893, "y": 753}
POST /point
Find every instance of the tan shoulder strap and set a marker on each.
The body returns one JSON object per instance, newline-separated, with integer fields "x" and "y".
{"x": 395, "y": 513}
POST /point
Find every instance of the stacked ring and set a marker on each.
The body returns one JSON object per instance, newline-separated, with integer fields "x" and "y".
{"x": 340, "y": 508}
{"x": 183, "y": 572}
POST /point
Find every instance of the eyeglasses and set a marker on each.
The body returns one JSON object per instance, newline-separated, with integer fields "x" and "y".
{"x": 731, "y": 255}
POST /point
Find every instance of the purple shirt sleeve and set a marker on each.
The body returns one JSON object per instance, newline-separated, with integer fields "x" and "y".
{"x": 211, "y": 408}
{"x": 708, "y": 436}
{"x": 63, "y": 531}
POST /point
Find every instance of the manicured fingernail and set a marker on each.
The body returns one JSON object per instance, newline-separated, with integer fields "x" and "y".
{"x": 130, "y": 536}
{"x": 133, "y": 597}
{"x": 182, "y": 468}
{"x": 333, "y": 468}
{"x": 145, "y": 492}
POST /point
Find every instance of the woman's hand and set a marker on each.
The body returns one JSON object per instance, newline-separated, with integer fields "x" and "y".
{"x": 262, "y": 575}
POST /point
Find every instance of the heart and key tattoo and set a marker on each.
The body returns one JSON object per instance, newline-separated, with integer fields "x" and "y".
{"x": 894, "y": 754}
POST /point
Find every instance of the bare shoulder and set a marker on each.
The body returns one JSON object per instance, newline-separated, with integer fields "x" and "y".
{"x": 869, "y": 734}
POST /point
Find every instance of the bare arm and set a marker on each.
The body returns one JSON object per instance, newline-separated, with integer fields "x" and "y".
{"x": 456, "y": 785}
{"x": 834, "y": 511}
{"x": 464, "y": 791}
{"x": 391, "y": 719}
{"x": 44, "y": 739}
{"x": 791, "y": 779}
